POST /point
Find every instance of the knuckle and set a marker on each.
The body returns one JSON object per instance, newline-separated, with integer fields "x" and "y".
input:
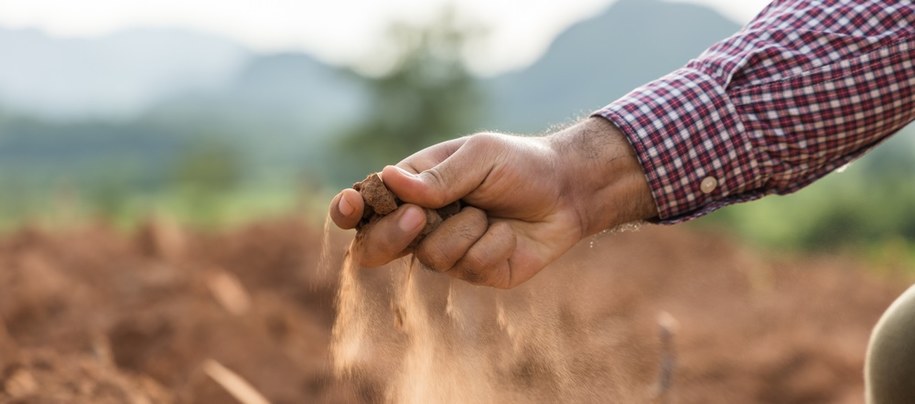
{"x": 467, "y": 231}
{"x": 436, "y": 175}
{"x": 500, "y": 275}
{"x": 505, "y": 280}
{"x": 476, "y": 214}
{"x": 475, "y": 262}
{"x": 468, "y": 225}
{"x": 472, "y": 277}
{"x": 439, "y": 180}
{"x": 502, "y": 285}
{"x": 432, "y": 256}
{"x": 483, "y": 139}
{"x": 474, "y": 269}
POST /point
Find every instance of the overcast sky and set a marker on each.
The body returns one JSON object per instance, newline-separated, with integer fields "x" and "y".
{"x": 338, "y": 31}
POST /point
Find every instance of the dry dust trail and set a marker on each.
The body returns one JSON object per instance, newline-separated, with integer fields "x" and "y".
{"x": 417, "y": 336}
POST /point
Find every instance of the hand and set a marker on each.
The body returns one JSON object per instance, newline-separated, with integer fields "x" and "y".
{"x": 530, "y": 200}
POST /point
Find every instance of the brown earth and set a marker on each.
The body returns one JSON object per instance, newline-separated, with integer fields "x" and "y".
{"x": 382, "y": 201}
{"x": 98, "y": 316}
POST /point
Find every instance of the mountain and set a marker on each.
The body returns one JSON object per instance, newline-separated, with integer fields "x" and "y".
{"x": 600, "y": 59}
{"x": 143, "y": 97}
{"x": 116, "y": 75}
{"x": 272, "y": 94}
{"x": 154, "y": 71}
{"x": 281, "y": 109}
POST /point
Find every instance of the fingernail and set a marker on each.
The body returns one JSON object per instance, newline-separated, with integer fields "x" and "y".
{"x": 345, "y": 208}
{"x": 410, "y": 219}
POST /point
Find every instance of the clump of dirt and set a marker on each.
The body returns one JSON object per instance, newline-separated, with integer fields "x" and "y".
{"x": 376, "y": 195}
{"x": 382, "y": 202}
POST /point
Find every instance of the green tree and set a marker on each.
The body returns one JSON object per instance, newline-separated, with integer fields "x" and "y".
{"x": 868, "y": 205}
{"x": 427, "y": 94}
{"x": 204, "y": 175}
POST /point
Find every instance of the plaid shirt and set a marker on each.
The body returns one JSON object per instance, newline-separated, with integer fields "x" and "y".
{"x": 803, "y": 89}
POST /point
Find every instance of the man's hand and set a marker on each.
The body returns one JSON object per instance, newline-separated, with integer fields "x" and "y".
{"x": 530, "y": 200}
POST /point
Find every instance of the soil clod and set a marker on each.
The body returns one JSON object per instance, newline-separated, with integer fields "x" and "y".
{"x": 376, "y": 195}
{"x": 382, "y": 202}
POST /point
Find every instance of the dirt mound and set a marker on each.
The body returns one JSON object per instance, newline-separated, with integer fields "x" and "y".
{"x": 42, "y": 376}
{"x": 163, "y": 301}
{"x": 134, "y": 318}
{"x": 752, "y": 329}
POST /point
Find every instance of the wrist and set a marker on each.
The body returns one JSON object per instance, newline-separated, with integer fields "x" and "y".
{"x": 602, "y": 176}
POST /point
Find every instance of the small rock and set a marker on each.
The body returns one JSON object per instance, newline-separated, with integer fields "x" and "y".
{"x": 376, "y": 194}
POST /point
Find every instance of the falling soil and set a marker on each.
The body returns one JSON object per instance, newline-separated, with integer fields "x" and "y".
{"x": 575, "y": 333}
{"x": 97, "y": 315}
{"x": 434, "y": 339}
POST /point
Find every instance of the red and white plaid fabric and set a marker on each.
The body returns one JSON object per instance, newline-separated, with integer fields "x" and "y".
{"x": 802, "y": 90}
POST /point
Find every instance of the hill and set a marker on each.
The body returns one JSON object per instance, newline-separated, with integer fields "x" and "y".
{"x": 600, "y": 59}
{"x": 114, "y": 75}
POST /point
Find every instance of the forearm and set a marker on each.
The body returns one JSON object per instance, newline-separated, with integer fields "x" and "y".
{"x": 602, "y": 175}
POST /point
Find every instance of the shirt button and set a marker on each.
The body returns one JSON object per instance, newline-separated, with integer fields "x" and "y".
{"x": 708, "y": 185}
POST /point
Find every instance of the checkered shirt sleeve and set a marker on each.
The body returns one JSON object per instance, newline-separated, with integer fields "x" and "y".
{"x": 800, "y": 91}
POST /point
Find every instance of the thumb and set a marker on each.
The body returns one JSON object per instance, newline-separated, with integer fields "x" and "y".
{"x": 452, "y": 179}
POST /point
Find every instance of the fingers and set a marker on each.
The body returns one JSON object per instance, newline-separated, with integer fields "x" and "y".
{"x": 464, "y": 246}
{"x": 431, "y": 156}
{"x": 487, "y": 262}
{"x": 484, "y": 262}
{"x": 346, "y": 208}
{"x": 387, "y": 238}
{"x": 456, "y": 176}
{"x": 442, "y": 248}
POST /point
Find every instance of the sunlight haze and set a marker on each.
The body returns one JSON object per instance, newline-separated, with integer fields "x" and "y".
{"x": 339, "y": 32}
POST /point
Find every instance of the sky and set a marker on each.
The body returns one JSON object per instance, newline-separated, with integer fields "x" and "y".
{"x": 339, "y": 31}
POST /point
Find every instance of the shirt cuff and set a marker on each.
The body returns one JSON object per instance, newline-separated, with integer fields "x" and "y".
{"x": 691, "y": 143}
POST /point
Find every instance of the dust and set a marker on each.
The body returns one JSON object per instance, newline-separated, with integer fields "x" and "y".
{"x": 405, "y": 334}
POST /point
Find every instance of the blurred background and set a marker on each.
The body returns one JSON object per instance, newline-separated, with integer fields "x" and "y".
{"x": 165, "y": 166}
{"x": 216, "y": 112}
